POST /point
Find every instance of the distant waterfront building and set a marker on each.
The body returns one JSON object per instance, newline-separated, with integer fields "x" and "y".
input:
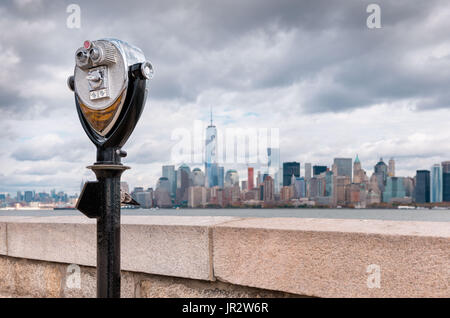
{"x": 164, "y": 183}
{"x": 374, "y": 185}
{"x": 268, "y": 193}
{"x": 325, "y": 184}
{"x": 313, "y": 188}
{"x": 359, "y": 175}
{"x": 318, "y": 170}
{"x": 308, "y": 171}
{"x": 145, "y": 198}
{"x": 162, "y": 198}
{"x": 169, "y": 173}
{"x": 436, "y": 183}
{"x": 28, "y": 196}
{"x": 373, "y": 197}
{"x": 289, "y": 169}
{"x": 339, "y": 193}
{"x": 381, "y": 171}
{"x": 196, "y": 196}
{"x": 446, "y": 181}
{"x": 211, "y": 170}
{"x": 231, "y": 178}
{"x": 215, "y": 196}
{"x": 299, "y": 187}
{"x": 135, "y": 191}
{"x": 287, "y": 193}
{"x": 391, "y": 168}
{"x": 198, "y": 178}
{"x": 244, "y": 185}
{"x": 274, "y": 167}
{"x": 394, "y": 189}
{"x": 183, "y": 183}
{"x": 356, "y": 195}
{"x": 344, "y": 167}
{"x": 220, "y": 176}
{"x": 422, "y": 193}
{"x": 250, "y": 178}
{"x": 408, "y": 185}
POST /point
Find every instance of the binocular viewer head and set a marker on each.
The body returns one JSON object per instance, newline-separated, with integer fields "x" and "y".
{"x": 110, "y": 84}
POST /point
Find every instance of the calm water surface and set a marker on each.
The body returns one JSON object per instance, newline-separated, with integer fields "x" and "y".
{"x": 382, "y": 214}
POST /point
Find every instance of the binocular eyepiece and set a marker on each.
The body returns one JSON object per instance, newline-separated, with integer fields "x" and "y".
{"x": 95, "y": 54}
{"x": 110, "y": 83}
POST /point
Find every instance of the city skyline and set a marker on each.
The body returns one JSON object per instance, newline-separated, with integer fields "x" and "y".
{"x": 333, "y": 87}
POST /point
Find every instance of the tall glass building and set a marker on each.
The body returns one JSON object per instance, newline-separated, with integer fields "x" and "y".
{"x": 308, "y": 170}
{"x": 210, "y": 155}
{"x": 220, "y": 176}
{"x": 289, "y": 169}
{"x": 344, "y": 167}
{"x": 169, "y": 173}
{"x": 394, "y": 189}
{"x": 274, "y": 167}
{"x": 436, "y": 183}
{"x": 446, "y": 181}
{"x": 422, "y": 186}
{"x": 318, "y": 170}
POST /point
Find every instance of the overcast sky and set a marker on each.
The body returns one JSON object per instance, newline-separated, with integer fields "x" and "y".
{"x": 313, "y": 69}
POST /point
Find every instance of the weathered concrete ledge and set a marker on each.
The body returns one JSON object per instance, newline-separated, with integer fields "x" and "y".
{"x": 312, "y": 257}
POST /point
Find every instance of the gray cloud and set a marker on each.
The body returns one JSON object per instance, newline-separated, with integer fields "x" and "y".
{"x": 285, "y": 61}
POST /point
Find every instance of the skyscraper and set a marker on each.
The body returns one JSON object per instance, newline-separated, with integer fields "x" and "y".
{"x": 317, "y": 170}
{"x": 359, "y": 175}
{"x": 183, "y": 183}
{"x": 163, "y": 183}
{"x": 268, "y": 186}
{"x": 436, "y": 183}
{"x": 422, "y": 186}
{"x": 344, "y": 167}
{"x": 250, "y": 178}
{"x": 394, "y": 189}
{"x": 289, "y": 169}
{"x": 446, "y": 181}
{"x": 274, "y": 168}
{"x": 198, "y": 178}
{"x": 220, "y": 176}
{"x": 299, "y": 186}
{"x": 231, "y": 178}
{"x": 380, "y": 170}
{"x": 308, "y": 174}
{"x": 169, "y": 173}
{"x": 391, "y": 168}
{"x": 210, "y": 155}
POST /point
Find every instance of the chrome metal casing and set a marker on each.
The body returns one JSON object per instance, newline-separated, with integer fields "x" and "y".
{"x": 101, "y": 80}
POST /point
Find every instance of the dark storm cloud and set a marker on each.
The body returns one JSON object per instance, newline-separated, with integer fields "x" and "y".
{"x": 196, "y": 46}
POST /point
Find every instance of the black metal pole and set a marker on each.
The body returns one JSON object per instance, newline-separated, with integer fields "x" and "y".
{"x": 108, "y": 228}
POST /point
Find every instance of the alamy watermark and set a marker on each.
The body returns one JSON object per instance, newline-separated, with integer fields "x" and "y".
{"x": 229, "y": 146}
{"x": 74, "y": 19}
{"x": 73, "y": 277}
{"x": 374, "y": 19}
{"x": 374, "y": 278}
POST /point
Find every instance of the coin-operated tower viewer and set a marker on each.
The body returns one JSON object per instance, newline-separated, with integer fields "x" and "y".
{"x": 110, "y": 84}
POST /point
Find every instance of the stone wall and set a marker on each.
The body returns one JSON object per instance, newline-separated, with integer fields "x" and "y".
{"x": 187, "y": 256}
{"x": 29, "y": 278}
